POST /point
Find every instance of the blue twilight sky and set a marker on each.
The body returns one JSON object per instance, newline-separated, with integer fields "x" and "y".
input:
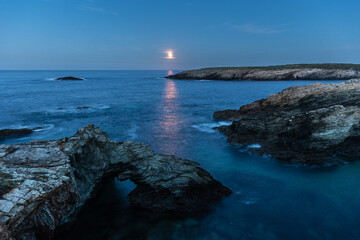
{"x": 134, "y": 34}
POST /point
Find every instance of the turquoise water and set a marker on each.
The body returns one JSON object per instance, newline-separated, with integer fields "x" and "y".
{"x": 270, "y": 200}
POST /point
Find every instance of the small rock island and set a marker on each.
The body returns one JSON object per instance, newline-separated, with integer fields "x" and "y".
{"x": 69, "y": 79}
{"x": 312, "y": 124}
{"x": 43, "y": 184}
{"x": 326, "y": 71}
{"x": 8, "y": 133}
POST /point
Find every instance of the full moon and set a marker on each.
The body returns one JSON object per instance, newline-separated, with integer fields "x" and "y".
{"x": 170, "y": 54}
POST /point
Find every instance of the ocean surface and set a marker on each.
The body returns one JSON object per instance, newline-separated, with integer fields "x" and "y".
{"x": 271, "y": 200}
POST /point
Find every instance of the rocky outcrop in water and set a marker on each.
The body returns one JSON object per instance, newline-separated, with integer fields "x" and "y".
{"x": 10, "y": 133}
{"x": 7, "y": 133}
{"x": 43, "y": 184}
{"x": 307, "y": 124}
{"x": 283, "y": 72}
{"x": 69, "y": 79}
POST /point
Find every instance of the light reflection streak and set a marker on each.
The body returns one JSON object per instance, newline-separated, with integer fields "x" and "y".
{"x": 170, "y": 122}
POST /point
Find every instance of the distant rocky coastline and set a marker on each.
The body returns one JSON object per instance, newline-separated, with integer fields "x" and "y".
{"x": 313, "y": 124}
{"x": 43, "y": 184}
{"x": 271, "y": 73}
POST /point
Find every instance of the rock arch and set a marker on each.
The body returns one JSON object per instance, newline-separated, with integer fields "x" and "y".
{"x": 53, "y": 179}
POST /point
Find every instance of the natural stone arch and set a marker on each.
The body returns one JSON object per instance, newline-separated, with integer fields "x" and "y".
{"x": 59, "y": 176}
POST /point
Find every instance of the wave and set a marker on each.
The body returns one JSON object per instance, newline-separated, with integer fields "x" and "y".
{"x": 253, "y": 146}
{"x": 250, "y": 200}
{"x": 209, "y": 127}
{"x": 45, "y": 127}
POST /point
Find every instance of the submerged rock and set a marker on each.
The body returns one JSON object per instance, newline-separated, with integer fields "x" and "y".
{"x": 325, "y": 71}
{"x": 307, "y": 124}
{"x": 69, "y": 78}
{"x": 44, "y": 183}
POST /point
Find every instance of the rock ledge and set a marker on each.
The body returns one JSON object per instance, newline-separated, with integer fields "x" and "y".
{"x": 311, "y": 124}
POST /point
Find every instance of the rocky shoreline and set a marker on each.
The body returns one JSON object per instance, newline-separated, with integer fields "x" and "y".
{"x": 312, "y": 124}
{"x": 271, "y": 73}
{"x": 43, "y": 184}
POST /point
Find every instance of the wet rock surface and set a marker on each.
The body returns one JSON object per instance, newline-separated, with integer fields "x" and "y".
{"x": 271, "y": 73}
{"x": 312, "y": 124}
{"x": 43, "y": 184}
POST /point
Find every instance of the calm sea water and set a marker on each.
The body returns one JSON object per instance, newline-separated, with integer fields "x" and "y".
{"x": 270, "y": 200}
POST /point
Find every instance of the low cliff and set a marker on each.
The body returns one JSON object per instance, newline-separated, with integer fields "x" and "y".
{"x": 43, "y": 184}
{"x": 308, "y": 124}
{"x": 281, "y": 72}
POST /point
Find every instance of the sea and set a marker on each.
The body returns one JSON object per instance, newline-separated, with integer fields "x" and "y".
{"x": 270, "y": 200}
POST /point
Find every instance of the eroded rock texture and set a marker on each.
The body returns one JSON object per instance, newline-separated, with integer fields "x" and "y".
{"x": 307, "y": 124}
{"x": 43, "y": 184}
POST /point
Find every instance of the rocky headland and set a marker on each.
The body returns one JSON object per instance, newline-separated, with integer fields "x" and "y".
{"x": 271, "y": 73}
{"x": 43, "y": 184}
{"x": 313, "y": 124}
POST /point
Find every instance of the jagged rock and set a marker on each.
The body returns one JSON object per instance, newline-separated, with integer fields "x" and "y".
{"x": 282, "y": 72}
{"x": 69, "y": 79}
{"x": 44, "y": 183}
{"x": 307, "y": 124}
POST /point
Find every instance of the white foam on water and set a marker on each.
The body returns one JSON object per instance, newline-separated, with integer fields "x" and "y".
{"x": 101, "y": 107}
{"x": 45, "y": 127}
{"x": 254, "y": 146}
{"x": 49, "y": 79}
{"x": 131, "y": 132}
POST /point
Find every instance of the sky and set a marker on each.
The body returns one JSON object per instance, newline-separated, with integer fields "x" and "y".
{"x": 135, "y": 34}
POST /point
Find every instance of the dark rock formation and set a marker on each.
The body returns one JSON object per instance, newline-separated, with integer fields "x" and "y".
{"x": 78, "y": 108}
{"x": 226, "y": 114}
{"x": 8, "y": 133}
{"x": 283, "y": 72}
{"x": 307, "y": 124}
{"x": 44, "y": 183}
{"x": 69, "y": 79}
